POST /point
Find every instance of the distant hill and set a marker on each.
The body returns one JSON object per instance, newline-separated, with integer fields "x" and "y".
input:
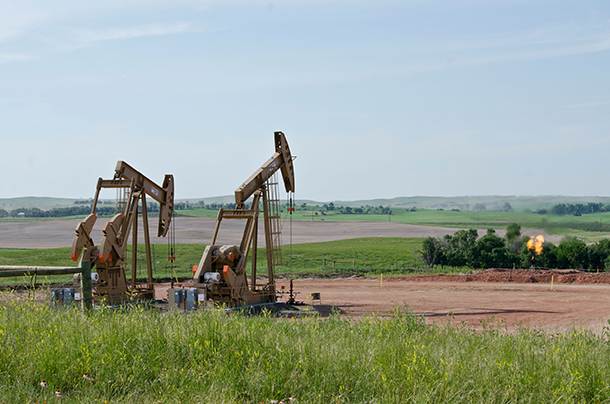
{"x": 34, "y": 201}
{"x": 467, "y": 203}
{"x": 463, "y": 203}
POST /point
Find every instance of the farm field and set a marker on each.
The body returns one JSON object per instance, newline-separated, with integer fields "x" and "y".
{"x": 591, "y": 227}
{"x": 195, "y": 223}
{"x": 60, "y": 233}
{"x": 194, "y": 230}
{"x": 366, "y": 255}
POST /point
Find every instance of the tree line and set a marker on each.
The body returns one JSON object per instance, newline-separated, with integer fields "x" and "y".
{"x": 202, "y": 205}
{"x": 348, "y": 210}
{"x": 466, "y": 249}
{"x": 100, "y": 210}
{"x": 577, "y": 209}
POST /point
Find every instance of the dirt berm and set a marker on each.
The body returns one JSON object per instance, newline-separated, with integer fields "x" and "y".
{"x": 518, "y": 276}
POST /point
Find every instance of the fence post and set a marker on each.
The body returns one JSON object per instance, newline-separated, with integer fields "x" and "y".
{"x": 85, "y": 285}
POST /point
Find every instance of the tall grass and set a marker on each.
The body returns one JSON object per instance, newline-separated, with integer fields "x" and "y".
{"x": 143, "y": 355}
{"x": 359, "y": 256}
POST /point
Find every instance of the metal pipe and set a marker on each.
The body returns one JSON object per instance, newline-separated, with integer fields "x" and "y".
{"x": 7, "y": 271}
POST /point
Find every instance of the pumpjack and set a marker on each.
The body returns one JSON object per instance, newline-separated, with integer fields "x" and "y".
{"x": 110, "y": 257}
{"x": 221, "y": 274}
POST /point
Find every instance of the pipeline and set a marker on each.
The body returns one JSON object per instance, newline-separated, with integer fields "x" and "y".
{"x": 7, "y": 271}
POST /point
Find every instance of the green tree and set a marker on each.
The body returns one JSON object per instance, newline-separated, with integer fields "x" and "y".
{"x": 513, "y": 240}
{"x": 513, "y": 231}
{"x": 480, "y": 207}
{"x": 598, "y": 254}
{"x": 459, "y": 247}
{"x": 489, "y": 252}
{"x": 431, "y": 252}
{"x": 572, "y": 253}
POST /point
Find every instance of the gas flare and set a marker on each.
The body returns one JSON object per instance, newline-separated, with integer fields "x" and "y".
{"x": 535, "y": 244}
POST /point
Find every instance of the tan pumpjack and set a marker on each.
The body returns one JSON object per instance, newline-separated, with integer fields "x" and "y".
{"x": 109, "y": 258}
{"x": 221, "y": 273}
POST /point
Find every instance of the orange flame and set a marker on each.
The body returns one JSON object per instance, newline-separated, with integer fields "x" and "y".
{"x": 535, "y": 244}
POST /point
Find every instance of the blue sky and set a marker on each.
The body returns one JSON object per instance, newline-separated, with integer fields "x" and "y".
{"x": 377, "y": 99}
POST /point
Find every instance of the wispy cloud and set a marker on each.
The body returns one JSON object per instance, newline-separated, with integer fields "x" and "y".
{"x": 590, "y": 104}
{"x": 15, "y": 19}
{"x": 82, "y": 38}
{"x": 14, "y": 57}
{"x": 544, "y": 43}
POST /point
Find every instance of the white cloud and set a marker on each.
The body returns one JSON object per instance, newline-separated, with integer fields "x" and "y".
{"x": 14, "y": 57}
{"x": 81, "y": 38}
{"x": 137, "y": 31}
{"x": 600, "y": 102}
{"x": 15, "y": 19}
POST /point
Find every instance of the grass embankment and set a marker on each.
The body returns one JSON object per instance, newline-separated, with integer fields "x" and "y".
{"x": 371, "y": 256}
{"x": 142, "y": 355}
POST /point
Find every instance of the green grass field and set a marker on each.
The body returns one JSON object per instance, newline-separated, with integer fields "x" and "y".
{"x": 141, "y": 355}
{"x": 371, "y": 256}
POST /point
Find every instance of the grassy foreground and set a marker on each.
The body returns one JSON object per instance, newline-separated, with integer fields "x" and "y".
{"x": 141, "y": 355}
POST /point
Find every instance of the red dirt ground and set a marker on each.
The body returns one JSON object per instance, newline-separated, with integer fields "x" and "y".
{"x": 496, "y": 297}
{"x": 499, "y": 298}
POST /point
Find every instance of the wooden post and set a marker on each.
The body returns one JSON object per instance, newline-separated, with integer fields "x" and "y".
{"x": 85, "y": 284}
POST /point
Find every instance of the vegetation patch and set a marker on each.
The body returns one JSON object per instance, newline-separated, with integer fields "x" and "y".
{"x": 464, "y": 248}
{"x": 328, "y": 259}
{"x": 143, "y": 355}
